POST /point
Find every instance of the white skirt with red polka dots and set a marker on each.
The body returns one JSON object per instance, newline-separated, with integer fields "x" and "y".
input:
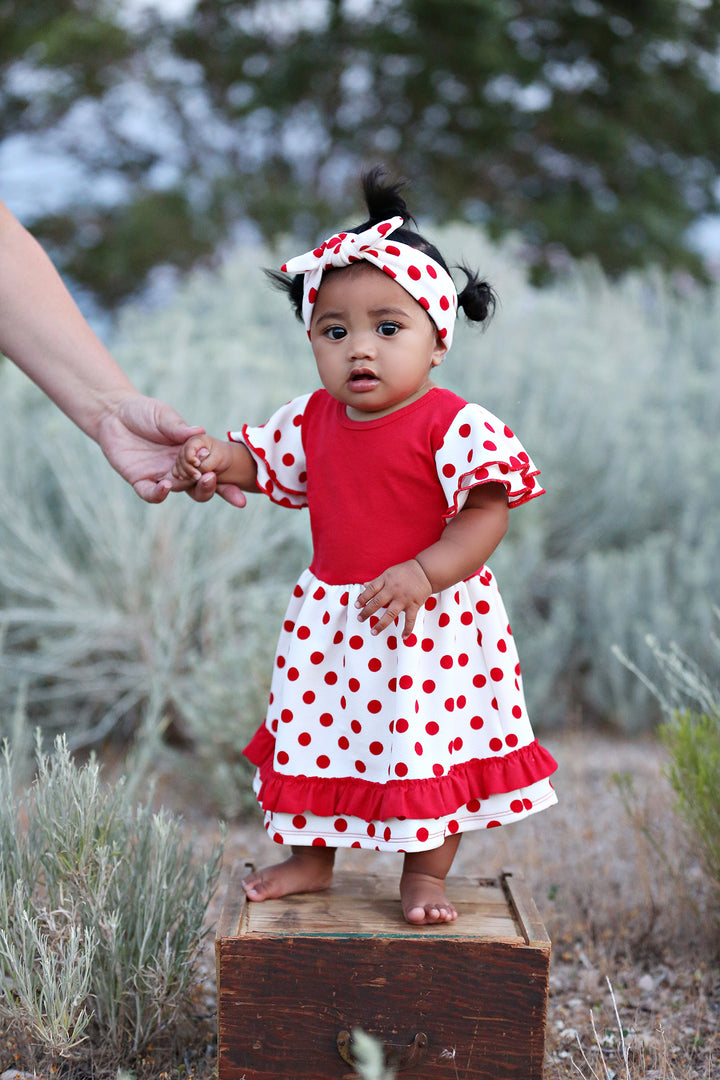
{"x": 375, "y": 742}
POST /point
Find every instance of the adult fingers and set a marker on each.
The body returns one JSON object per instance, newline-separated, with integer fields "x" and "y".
{"x": 207, "y": 486}
{"x": 204, "y": 489}
{"x": 171, "y": 425}
{"x": 152, "y": 492}
{"x": 232, "y": 494}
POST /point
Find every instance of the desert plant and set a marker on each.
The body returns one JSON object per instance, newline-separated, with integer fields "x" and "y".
{"x": 620, "y": 1045}
{"x": 691, "y": 733}
{"x": 101, "y": 907}
{"x": 605, "y": 1072}
{"x": 612, "y": 386}
{"x": 693, "y": 742}
{"x": 47, "y": 962}
{"x": 116, "y": 617}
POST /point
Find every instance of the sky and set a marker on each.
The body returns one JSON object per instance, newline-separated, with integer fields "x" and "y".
{"x": 168, "y": 7}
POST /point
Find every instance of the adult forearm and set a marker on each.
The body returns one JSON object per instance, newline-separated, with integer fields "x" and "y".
{"x": 44, "y": 333}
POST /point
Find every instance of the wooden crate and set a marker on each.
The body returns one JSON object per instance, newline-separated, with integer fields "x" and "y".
{"x": 466, "y": 1000}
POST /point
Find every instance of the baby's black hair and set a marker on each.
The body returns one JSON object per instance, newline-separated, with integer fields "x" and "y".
{"x": 384, "y": 200}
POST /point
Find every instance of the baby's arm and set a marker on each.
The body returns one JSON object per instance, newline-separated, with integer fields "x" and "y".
{"x": 232, "y": 463}
{"x": 466, "y": 543}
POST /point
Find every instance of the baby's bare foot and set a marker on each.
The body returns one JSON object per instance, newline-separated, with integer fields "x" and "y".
{"x": 307, "y": 870}
{"x": 424, "y": 900}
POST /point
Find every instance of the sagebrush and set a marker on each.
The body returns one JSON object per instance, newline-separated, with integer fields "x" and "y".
{"x": 690, "y": 699}
{"x": 693, "y": 743}
{"x": 117, "y": 617}
{"x": 102, "y": 904}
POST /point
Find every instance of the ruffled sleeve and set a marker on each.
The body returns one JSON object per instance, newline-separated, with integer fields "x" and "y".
{"x": 278, "y": 449}
{"x": 480, "y": 449}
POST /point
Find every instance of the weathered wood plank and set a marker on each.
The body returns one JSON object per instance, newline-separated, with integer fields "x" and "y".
{"x": 525, "y": 910}
{"x": 368, "y": 904}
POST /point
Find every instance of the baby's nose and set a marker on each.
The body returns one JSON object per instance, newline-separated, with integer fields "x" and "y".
{"x": 362, "y": 345}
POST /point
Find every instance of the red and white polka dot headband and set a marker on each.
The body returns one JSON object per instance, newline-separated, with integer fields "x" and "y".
{"x": 426, "y": 280}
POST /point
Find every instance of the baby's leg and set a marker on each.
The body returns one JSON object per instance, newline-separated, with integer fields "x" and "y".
{"x": 422, "y": 885}
{"x": 308, "y": 869}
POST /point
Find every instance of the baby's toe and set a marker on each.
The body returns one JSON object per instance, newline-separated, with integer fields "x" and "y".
{"x": 255, "y": 887}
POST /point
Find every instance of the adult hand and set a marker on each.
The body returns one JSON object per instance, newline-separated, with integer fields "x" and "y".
{"x": 44, "y": 333}
{"x": 140, "y": 437}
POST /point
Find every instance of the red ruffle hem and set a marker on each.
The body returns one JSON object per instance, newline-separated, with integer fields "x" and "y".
{"x": 425, "y": 798}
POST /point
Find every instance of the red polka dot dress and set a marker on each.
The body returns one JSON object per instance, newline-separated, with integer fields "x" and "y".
{"x": 377, "y": 742}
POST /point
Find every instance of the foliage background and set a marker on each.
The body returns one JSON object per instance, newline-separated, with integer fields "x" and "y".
{"x": 149, "y": 143}
{"x": 122, "y": 618}
{"x": 588, "y": 127}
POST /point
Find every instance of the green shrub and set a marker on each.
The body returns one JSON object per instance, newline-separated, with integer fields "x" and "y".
{"x": 101, "y": 910}
{"x": 693, "y": 743}
{"x": 690, "y": 701}
{"x": 118, "y": 618}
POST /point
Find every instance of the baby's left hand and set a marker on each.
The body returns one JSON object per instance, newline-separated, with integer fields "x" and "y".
{"x": 401, "y": 588}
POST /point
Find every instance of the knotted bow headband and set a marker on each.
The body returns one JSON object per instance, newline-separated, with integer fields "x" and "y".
{"x": 426, "y": 280}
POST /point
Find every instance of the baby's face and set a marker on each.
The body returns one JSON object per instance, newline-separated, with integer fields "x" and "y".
{"x": 374, "y": 344}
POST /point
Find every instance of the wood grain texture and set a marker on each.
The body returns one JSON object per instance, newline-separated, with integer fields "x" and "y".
{"x": 295, "y": 972}
{"x": 524, "y": 909}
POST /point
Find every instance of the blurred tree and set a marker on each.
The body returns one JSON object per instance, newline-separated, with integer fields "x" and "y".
{"x": 78, "y": 81}
{"x": 588, "y": 126}
{"x": 52, "y": 54}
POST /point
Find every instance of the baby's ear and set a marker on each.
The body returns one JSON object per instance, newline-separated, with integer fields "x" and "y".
{"x": 438, "y": 354}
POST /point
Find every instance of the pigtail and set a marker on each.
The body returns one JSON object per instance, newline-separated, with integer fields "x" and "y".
{"x": 478, "y": 299}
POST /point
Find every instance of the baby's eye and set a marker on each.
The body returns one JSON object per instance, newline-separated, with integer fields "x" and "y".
{"x": 335, "y": 333}
{"x": 388, "y": 329}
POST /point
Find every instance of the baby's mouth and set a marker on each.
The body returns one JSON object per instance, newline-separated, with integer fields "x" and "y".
{"x": 363, "y": 378}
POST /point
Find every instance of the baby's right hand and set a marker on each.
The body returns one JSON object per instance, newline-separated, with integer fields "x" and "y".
{"x": 200, "y": 454}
